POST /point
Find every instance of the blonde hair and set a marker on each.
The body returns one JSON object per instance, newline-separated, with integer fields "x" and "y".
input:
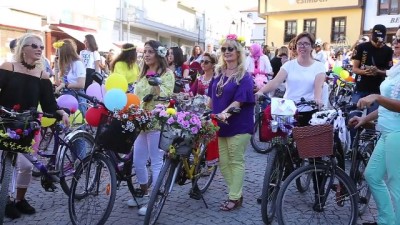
{"x": 222, "y": 65}
{"x": 67, "y": 55}
{"x": 22, "y": 41}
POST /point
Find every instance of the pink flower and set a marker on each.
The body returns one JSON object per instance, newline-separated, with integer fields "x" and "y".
{"x": 171, "y": 120}
{"x": 231, "y": 37}
{"x": 194, "y": 130}
{"x": 163, "y": 114}
{"x": 150, "y": 73}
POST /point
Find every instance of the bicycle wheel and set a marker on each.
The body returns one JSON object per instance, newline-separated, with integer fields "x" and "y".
{"x": 357, "y": 173}
{"x": 303, "y": 182}
{"x": 69, "y": 160}
{"x": 93, "y": 191}
{"x": 203, "y": 174}
{"x": 259, "y": 146}
{"x": 161, "y": 191}
{"x": 271, "y": 184}
{"x": 339, "y": 207}
{"x": 5, "y": 179}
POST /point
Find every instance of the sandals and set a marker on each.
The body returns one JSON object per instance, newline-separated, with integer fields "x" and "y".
{"x": 230, "y": 205}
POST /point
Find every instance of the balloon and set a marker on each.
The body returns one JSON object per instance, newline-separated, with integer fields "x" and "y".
{"x": 350, "y": 79}
{"x": 116, "y": 81}
{"x": 76, "y": 118}
{"x": 337, "y": 70}
{"x": 68, "y": 102}
{"x": 46, "y": 122}
{"x": 132, "y": 100}
{"x": 344, "y": 74}
{"x": 93, "y": 115}
{"x": 115, "y": 99}
{"x": 95, "y": 90}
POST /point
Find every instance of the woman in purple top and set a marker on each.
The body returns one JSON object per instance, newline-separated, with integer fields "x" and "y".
{"x": 232, "y": 87}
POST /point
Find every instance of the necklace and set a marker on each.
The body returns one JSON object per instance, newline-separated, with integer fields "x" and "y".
{"x": 221, "y": 84}
{"x": 232, "y": 68}
{"x": 28, "y": 66}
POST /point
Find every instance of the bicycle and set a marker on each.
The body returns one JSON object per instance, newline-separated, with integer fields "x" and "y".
{"x": 333, "y": 188}
{"x": 101, "y": 173}
{"x": 282, "y": 161}
{"x": 257, "y": 142}
{"x": 182, "y": 162}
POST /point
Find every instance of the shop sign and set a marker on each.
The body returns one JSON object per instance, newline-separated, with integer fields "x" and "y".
{"x": 309, "y": 1}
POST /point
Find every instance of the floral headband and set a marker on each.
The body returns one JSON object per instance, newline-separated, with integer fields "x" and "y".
{"x": 241, "y": 40}
{"x": 162, "y": 51}
{"x": 58, "y": 44}
{"x": 128, "y": 49}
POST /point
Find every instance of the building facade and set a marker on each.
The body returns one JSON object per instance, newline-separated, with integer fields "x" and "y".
{"x": 258, "y": 31}
{"x": 384, "y": 12}
{"x": 338, "y": 22}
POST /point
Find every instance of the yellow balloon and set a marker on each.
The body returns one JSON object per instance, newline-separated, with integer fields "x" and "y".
{"x": 39, "y": 108}
{"x": 76, "y": 118}
{"x": 344, "y": 74}
{"x": 46, "y": 122}
{"x": 117, "y": 81}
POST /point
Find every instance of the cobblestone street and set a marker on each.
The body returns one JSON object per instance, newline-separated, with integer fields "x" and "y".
{"x": 52, "y": 208}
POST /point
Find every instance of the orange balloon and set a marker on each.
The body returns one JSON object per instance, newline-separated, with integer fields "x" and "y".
{"x": 132, "y": 100}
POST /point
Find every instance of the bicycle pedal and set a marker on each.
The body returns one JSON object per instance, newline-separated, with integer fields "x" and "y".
{"x": 195, "y": 193}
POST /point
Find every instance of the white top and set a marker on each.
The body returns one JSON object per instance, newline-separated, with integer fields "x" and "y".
{"x": 300, "y": 79}
{"x": 264, "y": 65}
{"x": 77, "y": 70}
{"x": 88, "y": 58}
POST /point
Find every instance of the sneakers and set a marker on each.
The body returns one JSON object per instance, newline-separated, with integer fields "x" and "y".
{"x": 140, "y": 201}
{"x": 142, "y": 211}
{"x": 14, "y": 209}
{"x": 24, "y": 207}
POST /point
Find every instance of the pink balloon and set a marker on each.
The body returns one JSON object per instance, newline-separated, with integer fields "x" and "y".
{"x": 68, "y": 101}
{"x": 95, "y": 90}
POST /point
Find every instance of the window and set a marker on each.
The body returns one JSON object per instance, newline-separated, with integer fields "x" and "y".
{"x": 310, "y": 26}
{"x": 387, "y": 7}
{"x": 290, "y": 30}
{"x": 338, "y": 29}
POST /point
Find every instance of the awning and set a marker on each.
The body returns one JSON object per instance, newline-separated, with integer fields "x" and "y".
{"x": 77, "y": 34}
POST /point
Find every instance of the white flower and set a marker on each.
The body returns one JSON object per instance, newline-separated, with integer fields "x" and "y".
{"x": 162, "y": 51}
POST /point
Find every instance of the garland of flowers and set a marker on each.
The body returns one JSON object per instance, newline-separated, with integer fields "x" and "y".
{"x": 10, "y": 138}
{"x": 58, "y": 44}
{"x": 241, "y": 40}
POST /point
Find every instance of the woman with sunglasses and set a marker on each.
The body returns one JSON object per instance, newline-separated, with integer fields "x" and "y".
{"x": 200, "y": 86}
{"x": 302, "y": 70}
{"x": 126, "y": 64}
{"x": 232, "y": 87}
{"x": 24, "y": 84}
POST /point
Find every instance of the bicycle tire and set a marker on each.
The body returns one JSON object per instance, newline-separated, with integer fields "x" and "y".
{"x": 303, "y": 206}
{"x": 357, "y": 174}
{"x": 66, "y": 173}
{"x": 164, "y": 182}
{"x": 272, "y": 179}
{"x": 5, "y": 179}
{"x": 303, "y": 184}
{"x": 100, "y": 161}
{"x": 46, "y": 137}
{"x": 258, "y": 146}
{"x": 203, "y": 171}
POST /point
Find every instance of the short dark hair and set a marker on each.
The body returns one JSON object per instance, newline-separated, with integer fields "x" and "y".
{"x": 212, "y": 57}
{"x": 307, "y": 35}
{"x": 13, "y": 44}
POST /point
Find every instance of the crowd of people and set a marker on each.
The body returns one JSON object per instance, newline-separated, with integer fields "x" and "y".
{"x": 230, "y": 79}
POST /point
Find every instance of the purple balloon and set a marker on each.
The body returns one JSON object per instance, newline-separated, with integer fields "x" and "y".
{"x": 68, "y": 101}
{"x": 95, "y": 90}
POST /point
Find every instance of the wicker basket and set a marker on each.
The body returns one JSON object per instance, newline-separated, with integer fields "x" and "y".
{"x": 111, "y": 136}
{"x": 182, "y": 141}
{"x": 314, "y": 141}
{"x": 15, "y": 124}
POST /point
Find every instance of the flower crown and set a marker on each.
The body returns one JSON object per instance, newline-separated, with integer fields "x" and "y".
{"x": 128, "y": 49}
{"x": 241, "y": 40}
{"x": 162, "y": 51}
{"x": 58, "y": 44}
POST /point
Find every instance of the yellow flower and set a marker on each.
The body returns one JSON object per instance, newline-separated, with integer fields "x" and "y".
{"x": 241, "y": 39}
{"x": 58, "y": 44}
{"x": 171, "y": 111}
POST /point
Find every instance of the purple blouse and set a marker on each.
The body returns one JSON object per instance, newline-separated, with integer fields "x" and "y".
{"x": 243, "y": 122}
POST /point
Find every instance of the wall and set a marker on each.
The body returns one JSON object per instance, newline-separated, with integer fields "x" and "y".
{"x": 274, "y": 6}
{"x": 372, "y": 17}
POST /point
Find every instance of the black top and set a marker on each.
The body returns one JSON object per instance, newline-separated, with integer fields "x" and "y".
{"x": 368, "y": 55}
{"x": 276, "y": 64}
{"x": 26, "y": 91}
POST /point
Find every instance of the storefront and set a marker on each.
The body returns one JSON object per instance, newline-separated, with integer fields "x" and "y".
{"x": 384, "y": 12}
{"x": 338, "y": 22}
{"x": 20, "y": 24}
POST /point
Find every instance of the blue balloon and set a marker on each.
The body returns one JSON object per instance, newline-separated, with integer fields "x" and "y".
{"x": 115, "y": 99}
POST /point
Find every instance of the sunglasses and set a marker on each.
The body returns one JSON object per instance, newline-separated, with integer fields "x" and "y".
{"x": 35, "y": 46}
{"x": 206, "y": 62}
{"x": 230, "y": 49}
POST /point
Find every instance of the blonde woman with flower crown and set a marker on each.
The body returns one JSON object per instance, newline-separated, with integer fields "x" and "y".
{"x": 125, "y": 64}
{"x": 146, "y": 144}
{"x": 232, "y": 86}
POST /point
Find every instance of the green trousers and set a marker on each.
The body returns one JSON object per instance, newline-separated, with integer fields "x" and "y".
{"x": 231, "y": 162}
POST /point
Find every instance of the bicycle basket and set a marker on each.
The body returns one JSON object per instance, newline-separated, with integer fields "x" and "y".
{"x": 112, "y": 136}
{"x": 314, "y": 141}
{"x": 17, "y": 133}
{"x": 182, "y": 141}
